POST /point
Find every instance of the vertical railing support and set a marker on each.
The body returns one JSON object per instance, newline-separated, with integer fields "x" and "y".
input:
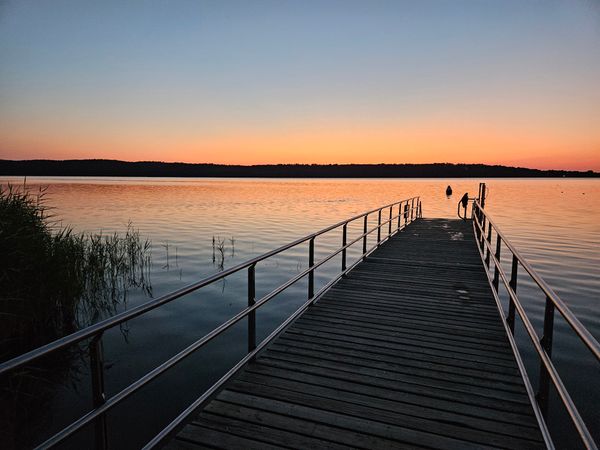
{"x": 497, "y": 264}
{"x": 390, "y": 223}
{"x": 481, "y": 231}
{"x": 546, "y": 342}
{"x": 311, "y": 263}
{"x": 399, "y": 215}
{"x": 98, "y": 396}
{"x": 379, "y": 227}
{"x": 365, "y": 236}
{"x": 252, "y": 314}
{"x": 344, "y": 242}
{"x": 482, "y": 194}
{"x": 513, "y": 285}
{"x": 483, "y": 222}
{"x": 412, "y": 208}
{"x": 406, "y": 214}
{"x": 489, "y": 239}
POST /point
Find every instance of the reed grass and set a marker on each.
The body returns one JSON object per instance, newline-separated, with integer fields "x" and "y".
{"x": 219, "y": 250}
{"x": 53, "y": 280}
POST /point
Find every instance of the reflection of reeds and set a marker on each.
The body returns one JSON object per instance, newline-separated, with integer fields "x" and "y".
{"x": 166, "y": 247}
{"x": 213, "y": 248}
{"x": 219, "y": 250}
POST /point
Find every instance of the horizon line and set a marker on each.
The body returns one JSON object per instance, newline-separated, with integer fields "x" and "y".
{"x": 225, "y": 165}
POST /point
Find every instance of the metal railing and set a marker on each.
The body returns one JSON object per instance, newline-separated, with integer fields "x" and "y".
{"x": 407, "y": 211}
{"x": 490, "y": 254}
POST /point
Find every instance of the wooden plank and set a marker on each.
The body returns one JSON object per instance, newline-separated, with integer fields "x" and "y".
{"x": 397, "y": 401}
{"x": 461, "y": 391}
{"x": 460, "y": 312}
{"x": 406, "y": 351}
{"x": 181, "y": 444}
{"x": 416, "y": 393}
{"x": 457, "y": 334}
{"x": 404, "y": 428}
{"x": 440, "y": 320}
{"x": 405, "y": 356}
{"x": 396, "y": 364}
{"x": 282, "y": 420}
{"x": 361, "y": 405}
{"x": 452, "y": 301}
{"x": 345, "y": 416}
{"x": 221, "y": 417}
{"x": 481, "y": 359}
{"x": 452, "y": 345}
{"x": 209, "y": 435}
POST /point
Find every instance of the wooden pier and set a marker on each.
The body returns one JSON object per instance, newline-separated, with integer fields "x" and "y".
{"x": 407, "y": 351}
{"x": 408, "y": 346}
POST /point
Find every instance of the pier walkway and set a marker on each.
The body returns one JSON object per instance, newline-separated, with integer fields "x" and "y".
{"x": 408, "y": 350}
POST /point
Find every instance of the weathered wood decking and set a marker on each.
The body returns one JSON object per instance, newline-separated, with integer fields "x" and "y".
{"x": 408, "y": 351}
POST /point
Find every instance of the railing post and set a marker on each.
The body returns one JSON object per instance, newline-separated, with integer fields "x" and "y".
{"x": 252, "y": 314}
{"x": 406, "y": 214}
{"x": 399, "y": 214}
{"x": 482, "y": 194}
{"x": 311, "y": 263}
{"x": 390, "y": 223}
{"x": 344, "y": 242}
{"x": 412, "y": 208}
{"x": 513, "y": 285}
{"x": 379, "y": 227}
{"x": 546, "y": 342}
{"x": 98, "y": 397}
{"x": 496, "y": 265}
{"x": 481, "y": 231}
{"x": 489, "y": 239}
{"x": 365, "y": 236}
{"x": 420, "y": 210}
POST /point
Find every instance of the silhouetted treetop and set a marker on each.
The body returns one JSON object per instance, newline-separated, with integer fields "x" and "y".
{"x": 115, "y": 168}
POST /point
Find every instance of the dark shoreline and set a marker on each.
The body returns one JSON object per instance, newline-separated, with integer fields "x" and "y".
{"x": 116, "y": 168}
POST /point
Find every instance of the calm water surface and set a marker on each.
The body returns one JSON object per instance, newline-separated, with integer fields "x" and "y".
{"x": 554, "y": 222}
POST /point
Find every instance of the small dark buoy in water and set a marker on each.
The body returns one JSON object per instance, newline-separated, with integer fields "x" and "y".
{"x": 448, "y": 191}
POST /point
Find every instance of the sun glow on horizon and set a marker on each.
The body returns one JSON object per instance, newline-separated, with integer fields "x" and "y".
{"x": 425, "y": 143}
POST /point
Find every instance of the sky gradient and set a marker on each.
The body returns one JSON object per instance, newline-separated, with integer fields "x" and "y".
{"x": 497, "y": 82}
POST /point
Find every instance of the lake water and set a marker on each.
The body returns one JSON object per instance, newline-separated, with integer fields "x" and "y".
{"x": 554, "y": 222}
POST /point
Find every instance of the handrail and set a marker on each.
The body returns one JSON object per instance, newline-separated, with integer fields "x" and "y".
{"x": 568, "y": 315}
{"x": 102, "y": 405}
{"x": 542, "y": 346}
{"x": 520, "y": 364}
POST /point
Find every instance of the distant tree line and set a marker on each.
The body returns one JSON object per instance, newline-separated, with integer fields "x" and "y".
{"x": 115, "y": 168}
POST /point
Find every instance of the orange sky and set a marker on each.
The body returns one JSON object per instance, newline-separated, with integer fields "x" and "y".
{"x": 331, "y": 143}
